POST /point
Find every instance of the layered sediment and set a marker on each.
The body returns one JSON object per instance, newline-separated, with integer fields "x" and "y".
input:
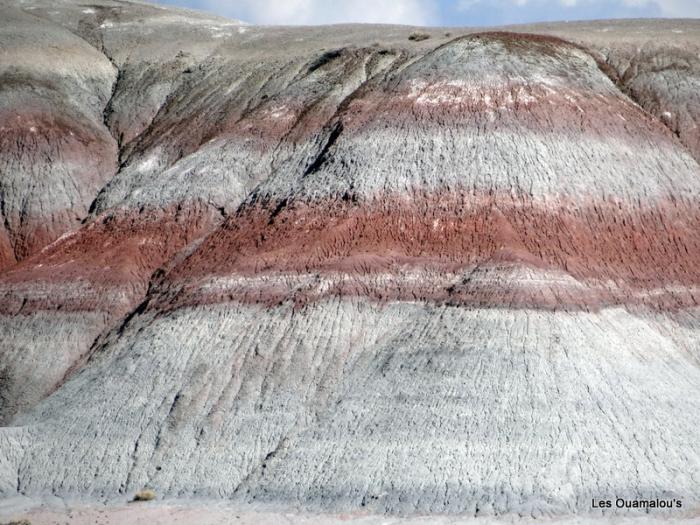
{"x": 337, "y": 269}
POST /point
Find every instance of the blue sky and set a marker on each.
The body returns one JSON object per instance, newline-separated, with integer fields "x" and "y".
{"x": 438, "y": 12}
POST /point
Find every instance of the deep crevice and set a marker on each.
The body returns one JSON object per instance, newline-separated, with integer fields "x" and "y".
{"x": 322, "y": 157}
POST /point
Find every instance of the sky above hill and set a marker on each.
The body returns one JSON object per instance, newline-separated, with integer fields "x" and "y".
{"x": 438, "y": 12}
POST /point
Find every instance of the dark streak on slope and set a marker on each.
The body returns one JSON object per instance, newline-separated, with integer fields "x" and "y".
{"x": 324, "y": 59}
{"x": 335, "y": 132}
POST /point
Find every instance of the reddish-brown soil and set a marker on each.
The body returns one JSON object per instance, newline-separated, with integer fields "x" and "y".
{"x": 458, "y": 248}
{"x": 510, "y": 106}
{"x": 53, "y": 166}
{"x": 625, "y": 254}
{"x": 116, "y": 253}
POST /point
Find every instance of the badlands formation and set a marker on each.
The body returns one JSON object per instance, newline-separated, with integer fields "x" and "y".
{"x": 349, "y": 269}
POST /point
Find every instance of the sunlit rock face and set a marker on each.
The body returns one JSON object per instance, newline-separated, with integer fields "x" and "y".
{"x": 338, "y": 269}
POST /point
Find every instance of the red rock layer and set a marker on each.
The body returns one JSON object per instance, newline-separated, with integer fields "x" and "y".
{"x": 106, "y": 265}
{"x": 558, "y": 93}
{"x": 7, "y": 254}
{"x": 512, "y": 107}
{"x": 607, "y": 252}
{"x": 53, "y": 166}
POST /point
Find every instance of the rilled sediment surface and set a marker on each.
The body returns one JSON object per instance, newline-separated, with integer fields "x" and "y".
{"x": 341, "y": 269}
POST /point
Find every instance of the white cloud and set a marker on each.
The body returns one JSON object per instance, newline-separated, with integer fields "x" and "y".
{"x": 679, "y": 8}
{"x": 436, "y": 12}
{"x": 302, "y": 12}
{"x": 670, "y": 8}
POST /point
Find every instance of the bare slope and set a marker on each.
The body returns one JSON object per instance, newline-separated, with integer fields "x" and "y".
{"x": 338, "y": 269}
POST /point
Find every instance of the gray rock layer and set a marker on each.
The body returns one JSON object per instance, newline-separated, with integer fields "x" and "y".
{"x": 398, "y": 408}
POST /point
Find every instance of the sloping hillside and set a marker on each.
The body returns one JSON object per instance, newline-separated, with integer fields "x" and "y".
{"x": 344, "y": 268}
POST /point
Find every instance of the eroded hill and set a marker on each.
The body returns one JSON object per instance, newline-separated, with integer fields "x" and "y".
{"x": 338, "y": 268}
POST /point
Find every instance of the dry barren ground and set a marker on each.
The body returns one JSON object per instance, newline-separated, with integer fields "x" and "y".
{"x": 158, "y": 513}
